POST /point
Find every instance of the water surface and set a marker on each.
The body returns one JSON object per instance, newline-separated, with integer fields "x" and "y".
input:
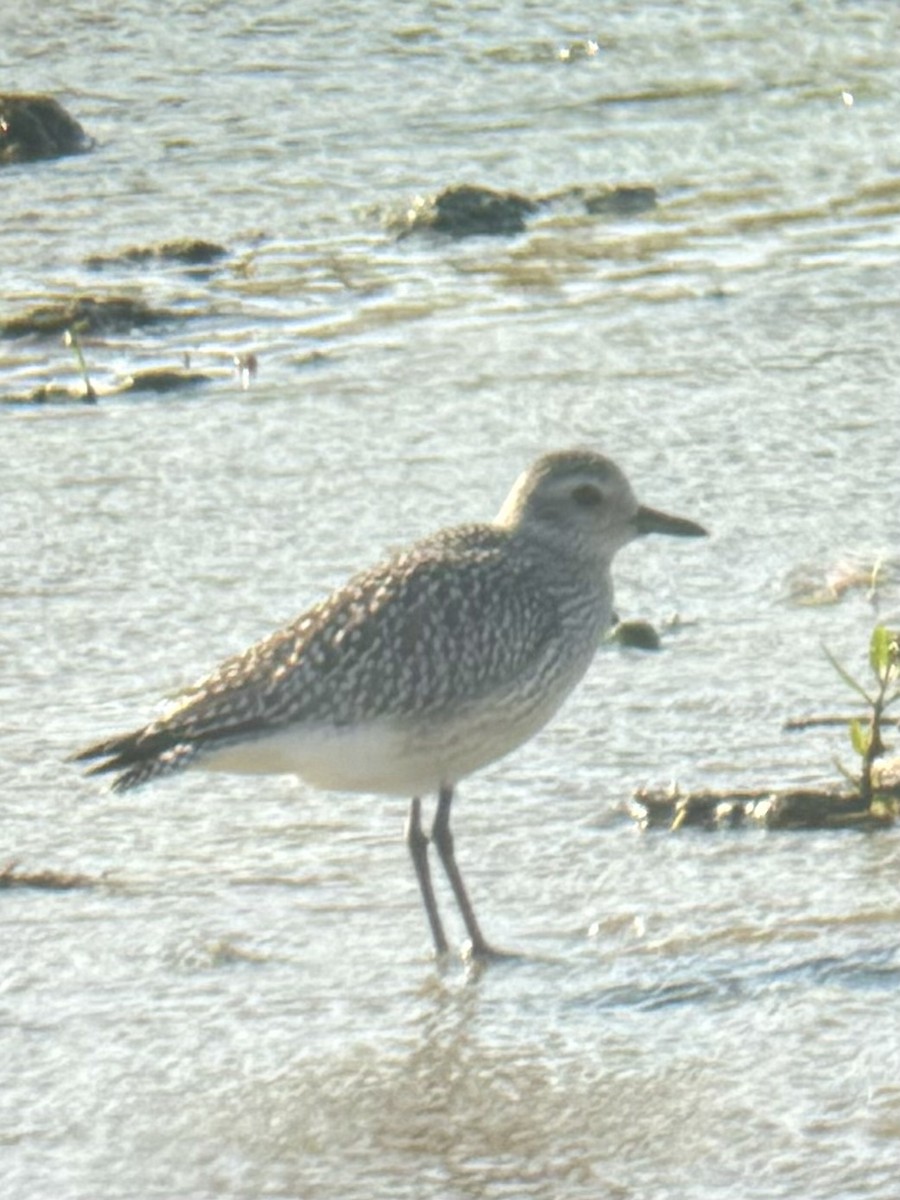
{"x": 247, "y": 1006}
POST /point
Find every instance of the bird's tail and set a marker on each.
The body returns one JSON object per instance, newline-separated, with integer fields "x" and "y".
{"x": 136, "y": 758}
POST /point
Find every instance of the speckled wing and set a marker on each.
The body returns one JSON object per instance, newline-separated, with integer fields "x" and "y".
{"x": 458, "y": 617}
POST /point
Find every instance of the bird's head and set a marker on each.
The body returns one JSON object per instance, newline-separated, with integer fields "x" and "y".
{"x": 581, "y": 498}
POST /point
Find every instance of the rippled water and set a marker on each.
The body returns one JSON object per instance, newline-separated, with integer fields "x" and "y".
{"x": 246, "y": 1006}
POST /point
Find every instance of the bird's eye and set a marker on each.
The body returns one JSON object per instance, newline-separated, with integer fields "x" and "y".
{"x": 587, "y": 496}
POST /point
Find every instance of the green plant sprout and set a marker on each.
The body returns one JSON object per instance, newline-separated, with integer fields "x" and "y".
{"x": 71, "y": 338}
{"x": 866, "y": 735}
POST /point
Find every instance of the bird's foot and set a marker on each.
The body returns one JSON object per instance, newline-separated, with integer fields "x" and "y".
{"x": 480, "y": 953}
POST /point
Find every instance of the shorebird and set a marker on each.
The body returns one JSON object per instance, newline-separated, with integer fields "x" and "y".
{"x": 422, "y": 669}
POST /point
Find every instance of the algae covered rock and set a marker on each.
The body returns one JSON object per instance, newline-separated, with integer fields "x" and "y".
{"x": 468, "y": 211}
{"x": 34, "y": 127}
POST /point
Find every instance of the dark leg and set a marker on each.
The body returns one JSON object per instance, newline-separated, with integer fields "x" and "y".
{"x": 443, "y": 840}
{"x": 417, "y": 842}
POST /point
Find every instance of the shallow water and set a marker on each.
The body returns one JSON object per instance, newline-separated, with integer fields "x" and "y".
{"x": 246, "y": 1005}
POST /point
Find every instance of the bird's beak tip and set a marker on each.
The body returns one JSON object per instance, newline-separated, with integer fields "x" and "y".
{"x": 650, "y": 520}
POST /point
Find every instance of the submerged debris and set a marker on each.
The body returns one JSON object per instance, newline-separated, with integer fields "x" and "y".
{"x": 578, "y": 50}
{"x": 813, "y": 585}
{"x": 89, "y": 314}
{"x": 50, "y": 393}
{"x": 874, "y": 801}
{"x": 246, "y": 366}
{"x": 792, "y": 808}
{"x": 161, "y": 380}
{"x": 625, "y": 200}
{"x": 153, "y": 380}
{"x": 11, "y": 876}
{"x": 190, "y": 252}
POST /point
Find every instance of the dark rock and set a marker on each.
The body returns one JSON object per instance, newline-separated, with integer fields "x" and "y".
{"x": 33, "y": 127}
{"x": 639, "y": 635}
{"x": 89, "y": 314}
{"x": 467, "y": 211}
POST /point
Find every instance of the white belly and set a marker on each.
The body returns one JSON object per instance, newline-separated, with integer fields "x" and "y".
{"x": 385, "y": 757}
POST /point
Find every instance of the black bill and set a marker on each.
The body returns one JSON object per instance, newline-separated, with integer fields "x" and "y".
{"x": 650, "y": 520}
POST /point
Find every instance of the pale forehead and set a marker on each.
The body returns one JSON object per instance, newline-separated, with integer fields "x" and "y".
{"x": 574, "y": 465}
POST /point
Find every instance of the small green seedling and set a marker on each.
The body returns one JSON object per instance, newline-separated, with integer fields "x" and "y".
{"x": 866, "y": 735}
{"x": 72, "y": 338}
